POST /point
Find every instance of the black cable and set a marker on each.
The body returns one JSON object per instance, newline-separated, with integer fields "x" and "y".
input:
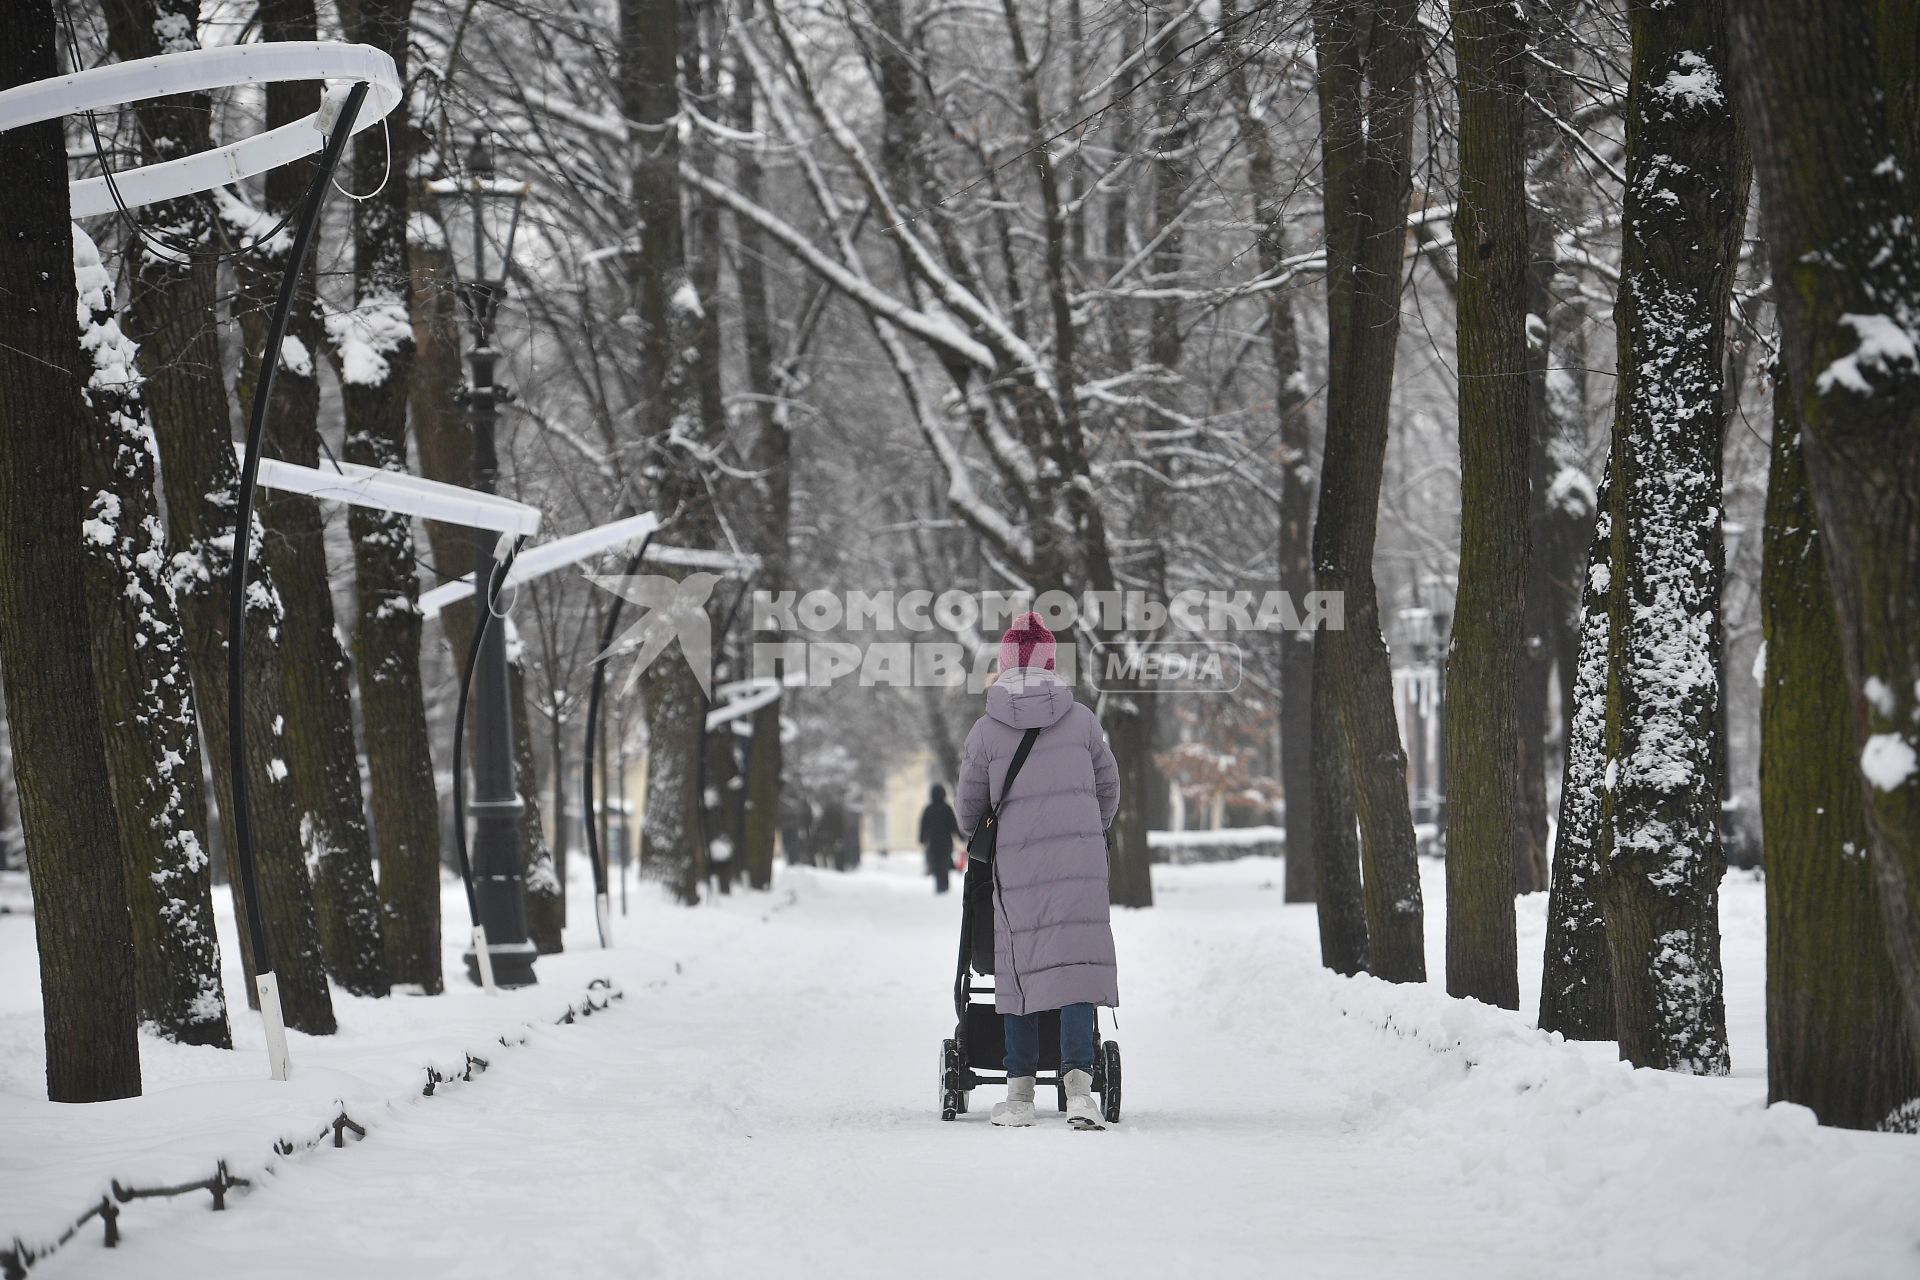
{"x": 147, "y": 236}
{"x": 243, "y": 527}
{"x": 496, "y": 582}
{"x": 595, "y": 854}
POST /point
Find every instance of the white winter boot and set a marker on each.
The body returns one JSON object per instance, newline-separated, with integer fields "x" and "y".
{"x": 1082, "y": 1111}
{"x": 1017, "y": 1111}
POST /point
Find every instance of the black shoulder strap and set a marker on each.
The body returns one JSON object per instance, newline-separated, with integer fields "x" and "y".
{"x": 991, "y": 817}
{"x": 1019, "y": 758}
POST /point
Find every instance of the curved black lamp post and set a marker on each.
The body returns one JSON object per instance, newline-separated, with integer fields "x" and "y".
{"x": 265, "y": 981}
{"x": 481, "y": 213}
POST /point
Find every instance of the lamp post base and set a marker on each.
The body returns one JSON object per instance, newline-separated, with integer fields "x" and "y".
{"x": 512, "y": 964}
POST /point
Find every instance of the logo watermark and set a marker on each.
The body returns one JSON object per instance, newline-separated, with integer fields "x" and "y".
{"x": 675, "y": 609}
{"x": 1129, "y": 640}
{"x": 1166, "y": 666}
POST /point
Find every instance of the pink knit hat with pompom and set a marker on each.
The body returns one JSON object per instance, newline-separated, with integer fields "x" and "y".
{"x": 1027, "y": 643}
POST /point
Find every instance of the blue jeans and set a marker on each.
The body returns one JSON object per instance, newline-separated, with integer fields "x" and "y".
{"x": 1076, "y": 1041}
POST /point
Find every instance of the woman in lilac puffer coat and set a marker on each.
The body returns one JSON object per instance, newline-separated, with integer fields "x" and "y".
{"x": 1053, "y": 945}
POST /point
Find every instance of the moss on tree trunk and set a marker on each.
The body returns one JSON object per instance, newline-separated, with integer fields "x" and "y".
{"x": 1834, "y": 142}
{"x": 1833, "y": 1003}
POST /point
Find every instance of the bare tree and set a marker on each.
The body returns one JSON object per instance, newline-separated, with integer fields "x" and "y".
{"x": 371, "y": 346}
{"x": 671, "y": 314}
{"x": 171, "y": 311}
{"x": 1486, "y": 659}
{"x": 53, "y": 711}
{"x": 1576, "y": 980}
{"x": 1831, "y": 991}
{"x": 139, "y": 665}
{"x": 318, "y": 678}
{"x": 1661, "y": 855}
{"x": 1367, "y": 53}
{"x": 1829, "y": 107}
{"x": 768, "y": 457}
{"x": 1294, "y": 446}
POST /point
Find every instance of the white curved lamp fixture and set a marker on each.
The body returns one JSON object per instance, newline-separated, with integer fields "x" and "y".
{"x": 195, "y": 71}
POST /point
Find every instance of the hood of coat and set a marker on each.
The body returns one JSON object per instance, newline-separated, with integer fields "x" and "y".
{"x": 1028, "y": 698}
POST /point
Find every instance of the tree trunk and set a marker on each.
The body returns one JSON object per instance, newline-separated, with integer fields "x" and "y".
{"x": 672, "y": 314}
{"x": 1069, "y": 527}
{"x": 1661, "y": 851}
{"x": 1555, "y": 554}
{"x": 12, "y": 854}
{"x": 557, "y": 788}
{"x": 319, "y": 698}
{"x": 1367, "y": 55}
{"x": 670, "y": 835}
{"x": 769, "y": 456}
{"x": 1130, "y": 870}
{"x": 1339, "y": 899}
{"x": 1293, "y": 447}
{"x": 172, "y": 314}
{"x": 1833, "y": 1002}
{"x": 770, "y": 459}
{"x": 374, "y": 353}
{"x": 1155, "y": 518}
{"x": 1534, "y": 676}
{"x": 54, "y": 715}
{"x": 546, "y": 909}
{"x": 700, "y": 59}
{"x": 723, "y": 799}
{"x": 139, "y": 668}
{"x": 1487, "y": 658}
{"x": 1570, "y": 503}
{"x": 1576, "y": 981}
{"x": 1846, "y": 258}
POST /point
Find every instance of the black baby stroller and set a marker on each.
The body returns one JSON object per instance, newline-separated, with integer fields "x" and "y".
{"x": 976, "y": 1054}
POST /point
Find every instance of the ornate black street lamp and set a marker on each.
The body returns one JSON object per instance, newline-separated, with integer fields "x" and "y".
{"x": 481, "y": 213}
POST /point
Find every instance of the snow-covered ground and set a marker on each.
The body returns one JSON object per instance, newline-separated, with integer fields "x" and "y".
{"x": 763, "y": 1103}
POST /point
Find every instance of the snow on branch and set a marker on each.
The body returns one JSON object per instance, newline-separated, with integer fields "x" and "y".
{"x": 934, "y": 330}
{"x": 956, "y": 297}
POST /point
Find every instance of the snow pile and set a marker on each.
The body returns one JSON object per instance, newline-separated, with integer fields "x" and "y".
{"x": 1530, "y": 1126}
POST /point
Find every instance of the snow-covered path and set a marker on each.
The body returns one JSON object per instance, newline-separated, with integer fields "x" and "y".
{"x": 769, "y": 1110}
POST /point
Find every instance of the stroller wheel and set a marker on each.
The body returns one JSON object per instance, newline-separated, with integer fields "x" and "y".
{"x": 953, "y": 1090}
{"x": 1110, "y": 1095}
{"x": 959, "y": 1080}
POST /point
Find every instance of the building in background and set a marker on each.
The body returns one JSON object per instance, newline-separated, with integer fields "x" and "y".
{"x": 892, "y": 819}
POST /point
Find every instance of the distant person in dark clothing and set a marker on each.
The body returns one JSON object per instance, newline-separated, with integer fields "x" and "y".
{"x": 938, "y": 827}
